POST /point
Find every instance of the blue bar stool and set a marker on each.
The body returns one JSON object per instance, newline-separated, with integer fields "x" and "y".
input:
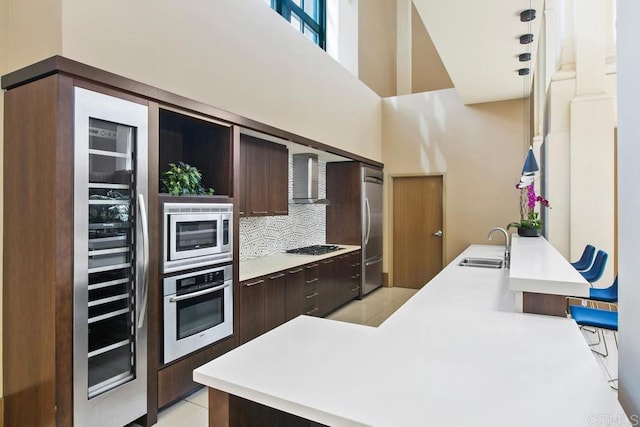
{"x": 586, "y": 259}
{"x": 597, "y": 269}
{"x": 608, "y": 295}
{"x": 600, "y": 319}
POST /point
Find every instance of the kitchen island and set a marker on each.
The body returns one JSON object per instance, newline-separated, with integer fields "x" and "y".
{"x": 455, "y": 354}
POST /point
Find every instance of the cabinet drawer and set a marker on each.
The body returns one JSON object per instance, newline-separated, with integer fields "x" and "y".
{"x": 311, "y": 300}
{"x": 311, "y": 285}
{"x": 311, "y": 277}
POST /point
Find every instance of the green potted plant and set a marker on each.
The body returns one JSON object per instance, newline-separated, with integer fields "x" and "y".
{"x": 183, "y": 179}
{"x": 530, "y": 224}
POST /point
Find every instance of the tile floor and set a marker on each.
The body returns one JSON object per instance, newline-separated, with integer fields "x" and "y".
{"x": 372, "y": 311}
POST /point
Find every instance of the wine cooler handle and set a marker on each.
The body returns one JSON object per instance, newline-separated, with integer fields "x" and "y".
{"x": 145, "y": 260}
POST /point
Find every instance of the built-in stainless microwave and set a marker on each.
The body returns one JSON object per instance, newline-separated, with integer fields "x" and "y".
{"x": 197, "y": 235}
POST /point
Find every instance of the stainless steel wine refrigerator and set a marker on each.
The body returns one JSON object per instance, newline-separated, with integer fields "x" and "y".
{"x": 110, "y": 260}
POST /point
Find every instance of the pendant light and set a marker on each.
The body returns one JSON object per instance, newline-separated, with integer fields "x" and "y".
{"x": 530, "y": 166}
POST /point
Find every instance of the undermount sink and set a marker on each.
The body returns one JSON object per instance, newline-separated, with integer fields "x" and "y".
{"x": 482, "y": 262}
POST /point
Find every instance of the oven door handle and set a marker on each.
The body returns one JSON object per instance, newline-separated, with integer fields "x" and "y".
{"x": 198, "y": 293}
{"x": 145, "y": 260}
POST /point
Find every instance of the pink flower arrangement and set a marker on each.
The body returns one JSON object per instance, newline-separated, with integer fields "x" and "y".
{"x": 528, "y": 199}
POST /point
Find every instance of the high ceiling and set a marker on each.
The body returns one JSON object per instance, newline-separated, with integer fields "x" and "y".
{"x": 478, "y": 42}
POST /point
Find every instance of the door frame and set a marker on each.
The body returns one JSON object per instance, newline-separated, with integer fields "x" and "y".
{"x": 390, "y": 215}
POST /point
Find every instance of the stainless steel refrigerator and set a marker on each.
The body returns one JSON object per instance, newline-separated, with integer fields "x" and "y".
{"x": 372, "y": 180}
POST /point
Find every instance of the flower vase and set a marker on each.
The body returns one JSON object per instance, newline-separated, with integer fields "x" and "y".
{"x": 528, "y": 232}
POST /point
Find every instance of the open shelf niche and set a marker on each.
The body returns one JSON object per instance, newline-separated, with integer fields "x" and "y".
{"x": 206, "y": 145}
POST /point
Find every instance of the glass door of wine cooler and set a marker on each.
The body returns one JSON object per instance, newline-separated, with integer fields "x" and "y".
{"x": 110, "y": 260}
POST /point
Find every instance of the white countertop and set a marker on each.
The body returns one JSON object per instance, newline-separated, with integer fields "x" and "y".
{"x": 256, "y": 267}
{"x": 455, "y": 354}
{"x": 536, "y": 266}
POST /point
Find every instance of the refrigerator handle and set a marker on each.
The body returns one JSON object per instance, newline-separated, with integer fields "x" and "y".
{"x": 366, "y": 203}
{"x": 145, "y": 260}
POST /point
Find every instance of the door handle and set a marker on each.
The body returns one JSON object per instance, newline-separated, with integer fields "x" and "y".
{"x": 198, "y": 293}
{"x": 366, "y": 201}
{"x": 145, "y": 263}
{"x": 438, "y": 233}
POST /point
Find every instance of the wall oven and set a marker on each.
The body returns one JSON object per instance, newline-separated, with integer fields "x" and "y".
{"x": 197, "y": 235}
{"x": 198, "y": 310}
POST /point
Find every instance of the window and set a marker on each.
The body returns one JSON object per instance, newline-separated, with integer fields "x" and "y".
{"x": 307, "y": 16}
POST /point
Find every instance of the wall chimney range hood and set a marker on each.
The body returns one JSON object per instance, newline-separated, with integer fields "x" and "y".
{"x": 305, "y": 179}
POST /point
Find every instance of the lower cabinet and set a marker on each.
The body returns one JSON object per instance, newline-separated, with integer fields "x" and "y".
{"x": 314, "y": 289}
{"x": 355, "y": 271}
{"x": 262, "y": 305}
{"x": 311, "y": 291}
{"x": 294, "y": 293}
{"x": 327, "y": 286}
{"x": 274, "y": 301}
{"x": 343, "y": 279}
{"x": 252, "y": 309}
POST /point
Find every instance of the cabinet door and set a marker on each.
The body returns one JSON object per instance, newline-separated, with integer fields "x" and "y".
{"x": 279, "y": 182}
{"x": 258, "y": 177}
{"x": 274, "y": 301}
{"x": 252, "y": 313}
{"x": 327, "y": 286}
{"x": 294, "y": 305}
{"x": 344, "y": 214}
{"x": 242, "y": 202}
{"x": 343, "y": 279}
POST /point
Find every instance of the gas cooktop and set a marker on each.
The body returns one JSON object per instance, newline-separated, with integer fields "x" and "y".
{"x": 314, "y": 250}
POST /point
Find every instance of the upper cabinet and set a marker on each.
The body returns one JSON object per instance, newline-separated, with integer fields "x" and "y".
{"x": 264, "y": 170}
{"x": 200, "y": 142}
{"x": 344, "y": 215}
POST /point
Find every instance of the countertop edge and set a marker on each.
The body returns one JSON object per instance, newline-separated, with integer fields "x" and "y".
{"x": 257, "y": 267}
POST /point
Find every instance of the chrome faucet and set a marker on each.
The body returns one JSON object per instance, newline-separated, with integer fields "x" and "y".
{"x": 507, "y": 245}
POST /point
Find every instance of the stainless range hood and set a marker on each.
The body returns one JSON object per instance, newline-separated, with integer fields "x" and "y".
{"x": 305, "y": 179}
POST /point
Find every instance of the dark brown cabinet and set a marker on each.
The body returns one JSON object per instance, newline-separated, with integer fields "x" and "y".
{"x": 311, "y": 290}
{"x": 295, "y": 293}
{"x": 274, "y": 301}
{"x": 263, "y": 178}
{"x": 339, "y": 281}
{"x": 327, "y": 286}
{"x": 342, "y": 280}
{"x": 252, "y": 309}
{"x": 278, "y": 180}
{"x": 262, "y": 305}
{"x": 344, "y": 216}
{"x": 355, "y": 270}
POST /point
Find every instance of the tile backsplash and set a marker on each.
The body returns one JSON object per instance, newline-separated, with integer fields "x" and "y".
{"x": 305, "y": 225}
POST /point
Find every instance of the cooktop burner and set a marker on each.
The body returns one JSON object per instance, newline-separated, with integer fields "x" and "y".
{"x": 314, "y": 250}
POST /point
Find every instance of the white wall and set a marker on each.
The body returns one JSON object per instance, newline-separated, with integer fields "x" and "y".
{"x": 479, "y": 148}
{"x": 580, "y": 121}
{"x": 238, "y": 55}
{"x": 377, "y": 45}
{"x": 629, "y": 205}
